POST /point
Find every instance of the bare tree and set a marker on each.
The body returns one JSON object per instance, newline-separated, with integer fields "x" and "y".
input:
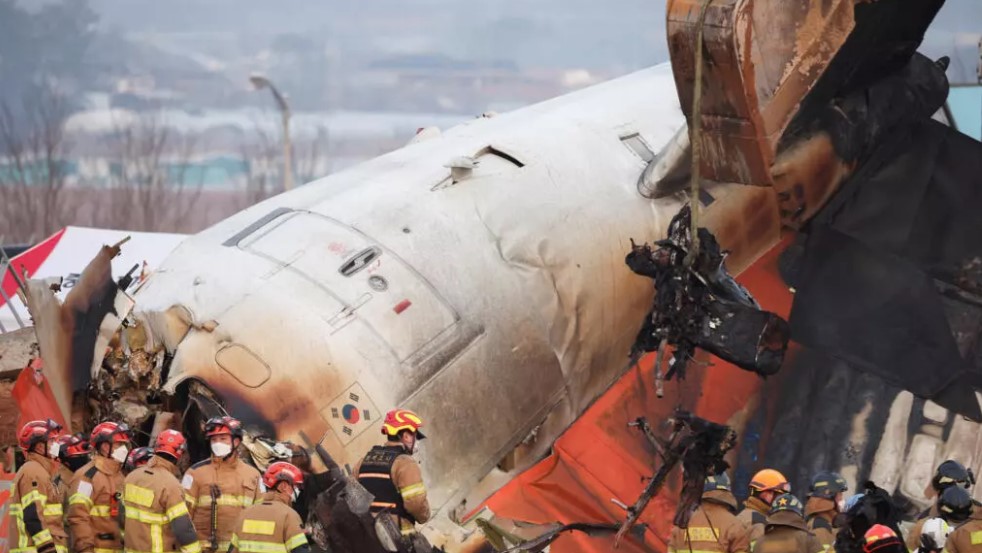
{"x": 32, "y": 167}
{"x": 261, "y": 159}
{"x": 311, "y": 157}
{"x": 149, "y": 185}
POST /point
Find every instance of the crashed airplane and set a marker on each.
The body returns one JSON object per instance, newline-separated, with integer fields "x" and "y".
{"x": 477, "y": 275}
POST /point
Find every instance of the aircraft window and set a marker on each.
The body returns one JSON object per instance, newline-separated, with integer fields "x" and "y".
{"x": 636, "y": 144}
{"x": 361, "y": 260}
{"x": 492, "y": 151}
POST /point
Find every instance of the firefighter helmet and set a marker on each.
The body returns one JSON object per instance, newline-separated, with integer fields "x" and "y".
{"x": 109, "y": 433}
{"x": 218, "y": 426}
{"x": 788, "y": 502}
{"x": 281, "y": 471}
{"x": 955, "y": 504}
{"x": 769, "y": 479}
{"x": 170, "y": 442}
{"x": 137, "y": 458}
{"x": 398, "y": 420}
{"x": 72, "y": 446}
{"x": 950, "y": 473}
{"x": 36, "y": 432}
{"x": 878, "y": 538}
{"x": 719, "y": 482}
{"x": 827, "y": 485}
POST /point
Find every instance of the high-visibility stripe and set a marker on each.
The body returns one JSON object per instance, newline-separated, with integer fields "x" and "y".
{"x": 138, "y": 495}
{"x": 976, "y": 538}
{"x": 252, "y": 546}
{"x": 60, "y": 549}
{"x": 190, "y": 500}
{"x": 261, "y": 527}
{"x": 192, "y": 547}
{"x": 23, "y": 550}
{"x": 42, "y": 537}
{"x": 375, "y": 475}
{"x": 235, "y": 540}
{"x": 128, "y": 550}
{"x": 701, "y": 533}
{"x": 80, "y": 499}
{"x": 145, "y": 516}
{"x": 15, "y": 509}
{"x": 31, "y": 497}
{"x": 381, "y": 505}
{"x": 225, "y": 500}
{"x": 156, "y": 538}
{"x": 296, "y": 541}
{"x": 100, "y": 511}
{"x": 177, "y": 511}
{"x": 53, "y": 510}
{"x": 106, "y": 550}
{"x": 412, "y": 491}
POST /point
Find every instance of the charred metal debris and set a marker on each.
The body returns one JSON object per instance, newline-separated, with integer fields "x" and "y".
{"x": 699, "y": 304}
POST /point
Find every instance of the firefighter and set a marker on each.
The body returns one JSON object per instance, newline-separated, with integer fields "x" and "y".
{"x": 219, "y": 488}
{"x": 956, "y": 507}
{"x": 156, "y": 517}
{"x": 764, "y": 487}
{"x": 95, "y": 491}
{"x": 949, "y": 473}
{"x": 271, "y": 525}
{"x": 786, "y": 530}
{"x": 136, "y": 459}
{"x": 824, "y": 502}
{"x": 390, "y": 473}
{"x": 35, "y": 506}
{"x": 72, "y": 453}
{"x": 713, "y": 526}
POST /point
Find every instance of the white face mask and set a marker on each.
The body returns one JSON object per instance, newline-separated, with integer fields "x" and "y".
{"x": 841, "y": 504}
{"x": 53, "y": 449}
{"x": 295, "y": 495}
{"x": 119, "y": 454}
{"x": 220, "y": 449}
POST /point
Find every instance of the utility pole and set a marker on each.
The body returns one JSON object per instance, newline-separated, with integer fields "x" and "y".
{"x": 260, "y": 82}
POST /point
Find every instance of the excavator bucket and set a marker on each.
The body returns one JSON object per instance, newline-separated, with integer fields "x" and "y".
{"x": 769, "y": 63}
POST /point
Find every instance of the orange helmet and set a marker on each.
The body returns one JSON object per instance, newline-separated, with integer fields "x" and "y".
{"x": 769, "y": 479}
{"x": 282, "y": 471}
{"x": 36, "y": 432}
{"x": 170, "y": 442}
{"x": 879, "y": 537}
{"x": 73, "y": 446}
{"x": 398, "y": 420}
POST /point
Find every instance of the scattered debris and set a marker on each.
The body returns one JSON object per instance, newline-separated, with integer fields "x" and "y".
{"x": 698, "y": 304}
{"x": 699, "y": 445}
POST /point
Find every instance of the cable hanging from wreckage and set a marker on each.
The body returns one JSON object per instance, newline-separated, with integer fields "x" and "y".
{"x": 699, "y": 304}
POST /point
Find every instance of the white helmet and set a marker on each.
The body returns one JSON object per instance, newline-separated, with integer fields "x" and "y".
{"x": 938, "y": 529}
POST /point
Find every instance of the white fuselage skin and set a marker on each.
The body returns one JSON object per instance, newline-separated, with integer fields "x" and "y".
{"x": 503, "y": 305}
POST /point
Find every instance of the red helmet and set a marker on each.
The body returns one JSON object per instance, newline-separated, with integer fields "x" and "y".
{"x": 36, "y": 432}
{"x": 73, "y": 446}
{"x": 170, "y": 442}
{"x": 109, "y": 433}
{"x": 217, "y": 426}
{"x": 398, "y": 420}
{"x": 137, "y": 458}
{"x": 282, "y": 471}
{"x": 880, "y": 537}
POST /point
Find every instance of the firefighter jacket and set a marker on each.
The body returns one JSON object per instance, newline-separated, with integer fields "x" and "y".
{"x": 217, "y": 491}
{"x": 754, "y": 516}
{"x": 967, "y": 538}
{"x": 36, "y": 509}
{"x": 819, "y": 513}
{"x": 61, "y": 481}
{"x": 786, "y": 532}
{"x": 394, "y": 478}
{"x": 156, "y": 517}
{"x": 712, "y": 529}
{"x": 93, "y": 507}
{"x": 269, "y": 526}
